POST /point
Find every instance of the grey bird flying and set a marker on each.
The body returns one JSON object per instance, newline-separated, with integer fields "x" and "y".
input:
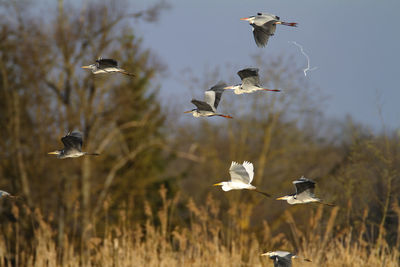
{"x": 208, "y": 108}
{"x": 250, "y": 82}
{"x": 264, "y": 26}
{"x": 304, "y": 193}
{"x": 106, "y": 65}
{"x": 282, "y": 258}
{"x": 72, "y": 146}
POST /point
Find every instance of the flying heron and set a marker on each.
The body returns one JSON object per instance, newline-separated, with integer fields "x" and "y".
{"x": 208, "y": 108}
{"x": 264, "y": 26}
{"x": 250, "y": 82}
{"x": 241, "y": 177}
{"x": 304, "y": 193}
{"x": 72, "y": 146}
{"x": 282, "y": 258}
{"x": 106, "y": 65}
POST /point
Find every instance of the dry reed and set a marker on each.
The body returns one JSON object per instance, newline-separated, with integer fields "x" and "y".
{"x": 204, "y": 241}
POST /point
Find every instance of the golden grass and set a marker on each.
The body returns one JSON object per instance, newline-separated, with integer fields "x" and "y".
{"x": 204, "y": 241}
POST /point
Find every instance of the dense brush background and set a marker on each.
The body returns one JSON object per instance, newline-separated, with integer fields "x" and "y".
{"x": 148, "y": 200}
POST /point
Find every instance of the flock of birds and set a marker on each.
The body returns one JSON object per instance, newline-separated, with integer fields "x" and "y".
{"x": 264, "y": 26}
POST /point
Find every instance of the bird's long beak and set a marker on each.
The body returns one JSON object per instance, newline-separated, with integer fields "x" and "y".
{"x": 229, "y": 87}
{"x": 187, "y": 111}
{"x": 244, "y": 18}
{"x": 217, "y": 184}
{"x": 280, "y": 198}
{"x": 53, "y": 153}
{"x": 85, "y": 67}
{"x": 265, "y": 254}
{"x": 278, "y": 22}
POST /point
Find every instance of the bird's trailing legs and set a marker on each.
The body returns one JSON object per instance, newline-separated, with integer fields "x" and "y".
{"x": 11, "y": 197}
{"x": 301, "y": 258}
{"x": 92, "y": 154}
{"x": 263, "y": 193}
{"x": 327, "y": 204}
{"x": 127, "y": 73}
{"x": 292, "y": 24}
{"x": 225, "y": 116}
{"x": 271, "y": 90}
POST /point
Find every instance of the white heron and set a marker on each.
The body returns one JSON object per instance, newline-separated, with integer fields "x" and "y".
{"x": 250, "y": 82}
{"x": 304, "y": 193}
{"x": 282, "y": 258}
{"x": 72, "y": 146}
{"x": 241, "y": 177}
{"x": 208, "y": 108}
{"x": 106, "y": 65}
{"x": 264, "y": 26}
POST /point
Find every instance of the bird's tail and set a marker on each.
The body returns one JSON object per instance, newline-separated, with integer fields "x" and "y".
{"x": 225, "y": 116}
{"x": 292, "y": 24}
{"x": 271, "y": 90}
{"x": 263, "y": 193}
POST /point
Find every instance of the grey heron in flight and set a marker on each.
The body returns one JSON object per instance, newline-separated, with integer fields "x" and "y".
{"x": 282, "y": 258}
{"x": 72, "y": 146}
{"x": 106, "y": 65}
{"x": 264, "y": 26}
{"x": 304, "y": 193}
{"x": 250, "y": 82}
{"x": 208, "y": 108}
{"x": 241, "y": 177}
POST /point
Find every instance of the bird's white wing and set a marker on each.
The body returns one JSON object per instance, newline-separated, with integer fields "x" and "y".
{"x": 249, "y": 169}
{"x": 213, "y": 95}
{"x": 210, "y": 98}
{"x": 238, "y": 173}
{"x": 282, "y": 253}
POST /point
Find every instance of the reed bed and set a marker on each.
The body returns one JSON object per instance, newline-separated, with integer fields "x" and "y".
{"x": 205, "y": 240}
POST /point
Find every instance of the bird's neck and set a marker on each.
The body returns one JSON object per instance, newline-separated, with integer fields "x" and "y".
{"x": 60, "y": 153}
{"x": 291, "y": 200}
{"x": 196, "y": 113}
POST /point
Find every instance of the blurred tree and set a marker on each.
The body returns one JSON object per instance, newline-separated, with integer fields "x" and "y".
{"x": 45, "y": 94}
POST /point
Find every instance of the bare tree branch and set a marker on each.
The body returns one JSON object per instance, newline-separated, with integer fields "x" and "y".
{"x": 117, "y": 166}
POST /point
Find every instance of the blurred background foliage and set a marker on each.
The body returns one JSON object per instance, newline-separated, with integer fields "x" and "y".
{"x": 146, "y": 143}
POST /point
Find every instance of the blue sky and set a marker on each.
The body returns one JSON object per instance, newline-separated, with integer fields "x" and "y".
{"x": 354, "y": 44}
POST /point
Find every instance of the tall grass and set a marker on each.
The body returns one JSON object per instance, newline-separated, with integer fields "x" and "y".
{"x": 205, "y": 240}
